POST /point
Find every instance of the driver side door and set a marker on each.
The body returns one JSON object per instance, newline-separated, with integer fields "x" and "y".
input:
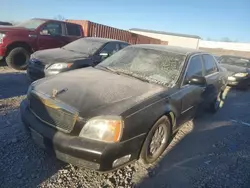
{"x": 191, "y": 94}
{"x": 51, "y": 36}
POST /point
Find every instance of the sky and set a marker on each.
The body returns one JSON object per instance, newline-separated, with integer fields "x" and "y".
{"x": 214, "y": 19}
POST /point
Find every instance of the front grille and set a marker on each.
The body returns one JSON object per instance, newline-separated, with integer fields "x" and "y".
{"x": 50, "y": 112}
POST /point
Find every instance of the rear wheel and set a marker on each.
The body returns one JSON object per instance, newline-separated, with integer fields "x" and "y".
{"x": 18, "y": 58}
{"x": 156, "y": 141}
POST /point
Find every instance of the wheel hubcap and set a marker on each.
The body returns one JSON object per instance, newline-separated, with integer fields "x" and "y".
{"x": 158, "y": 140}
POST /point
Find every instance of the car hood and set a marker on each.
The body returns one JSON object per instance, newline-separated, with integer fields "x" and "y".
{"x": 96, "y": 92}
{"x": 57, "y": 55}
{"x": 12, "y": 28}
{"x": 232, "y": 69}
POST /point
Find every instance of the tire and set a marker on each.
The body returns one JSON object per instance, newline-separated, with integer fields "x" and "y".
{"x": 146, "y": 153}
{"x": 215, "y": 105}
{"x": 18, "y": 58}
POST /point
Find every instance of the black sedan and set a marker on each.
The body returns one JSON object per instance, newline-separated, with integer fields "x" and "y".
{"x": 123, "y": 109}
{"x": 238, "y": 69}
{"x": 81, "y": 53}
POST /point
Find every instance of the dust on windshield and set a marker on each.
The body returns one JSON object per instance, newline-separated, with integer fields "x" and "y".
{"x": 238, "y": 61}
{"x": 31, "y": 24}
{"x": 150, "y": 65}
{"x": 84, "y": 45}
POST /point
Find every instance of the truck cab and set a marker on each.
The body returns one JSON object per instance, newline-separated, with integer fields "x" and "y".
{"x": 19, "y": 41}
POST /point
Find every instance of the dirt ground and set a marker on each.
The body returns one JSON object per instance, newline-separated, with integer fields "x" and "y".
{"x": 211, "y": 151}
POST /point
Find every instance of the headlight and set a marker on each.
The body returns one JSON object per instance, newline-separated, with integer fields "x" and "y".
{"x": 2, "y": 35}
{"x": 231, "y": 78}
{"x": 240, "y": 74}
{"x": 103, "y": 128}
{"x": 60, "y": 66}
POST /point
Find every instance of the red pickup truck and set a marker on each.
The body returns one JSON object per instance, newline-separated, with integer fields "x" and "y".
{"x": 19, "y": 41}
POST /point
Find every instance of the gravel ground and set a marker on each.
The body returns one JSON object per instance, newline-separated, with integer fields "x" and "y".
{"x": 212, "y": 151}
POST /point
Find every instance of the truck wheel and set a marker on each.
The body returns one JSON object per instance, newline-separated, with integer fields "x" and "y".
{"x": 157, "y": 140}
{"x": 18, "y": 58}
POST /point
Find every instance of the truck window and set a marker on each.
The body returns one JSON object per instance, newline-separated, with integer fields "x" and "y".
{"x": 52, "y": 28}
{"x": 73, "y": 30}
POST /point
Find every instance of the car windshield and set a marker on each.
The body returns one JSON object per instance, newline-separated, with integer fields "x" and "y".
{"x": 31, "y": 24}
{"x": 84, "y": 45}
{"x": 238, "y": 61}
{"x": 150, "y": 65}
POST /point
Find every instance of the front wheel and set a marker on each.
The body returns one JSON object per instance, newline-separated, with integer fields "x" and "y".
{"x": 215, "y": 105}
{"x": 18, "y": 58}
{"x": 156, "y": 141}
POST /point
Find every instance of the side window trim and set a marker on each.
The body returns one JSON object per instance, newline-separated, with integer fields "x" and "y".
{"x": 185, "y": 73}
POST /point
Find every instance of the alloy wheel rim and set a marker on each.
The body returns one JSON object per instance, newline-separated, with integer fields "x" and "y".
{"x": 158, "y": 140}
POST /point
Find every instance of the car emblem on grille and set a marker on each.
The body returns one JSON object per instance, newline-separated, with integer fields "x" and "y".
{"x": 55, "y": 92}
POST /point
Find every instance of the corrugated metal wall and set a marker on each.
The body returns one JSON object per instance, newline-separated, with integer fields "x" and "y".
{"x": 92, "y": 29}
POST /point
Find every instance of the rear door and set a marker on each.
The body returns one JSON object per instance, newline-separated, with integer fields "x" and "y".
{"x": 51, "y": 35}
{"x": 191, "y": 94}
{"x": 213, "y": 77}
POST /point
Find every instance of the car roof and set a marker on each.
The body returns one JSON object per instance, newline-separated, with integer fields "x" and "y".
{"x": 174, "y": 49}
{"x": 103, "y": 39}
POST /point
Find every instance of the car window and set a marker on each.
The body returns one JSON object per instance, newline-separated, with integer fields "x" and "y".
{"x": 73, "y": 30}
{"x": 111, "y": 48}
{"x": 209, "y": 64}
{"x": 52, "y": 28}
{"x": 194, "y": 67}
{"x": 123, "y": 45}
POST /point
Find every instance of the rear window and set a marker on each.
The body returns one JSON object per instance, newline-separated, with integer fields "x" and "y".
{"x": 73, "y": 30}
{"x": 238, "y": 61}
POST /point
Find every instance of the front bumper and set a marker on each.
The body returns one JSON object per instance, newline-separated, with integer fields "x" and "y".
{"x": 79, "y": 151}
{"x": 244, "y": 82}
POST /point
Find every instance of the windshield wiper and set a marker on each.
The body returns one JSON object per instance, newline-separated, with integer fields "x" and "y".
{"x": 134, "y": 76}
{"x": 109, "y": 69}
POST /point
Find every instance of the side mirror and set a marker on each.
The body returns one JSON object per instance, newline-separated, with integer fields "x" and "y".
{"x": 104, "y": 55}
{"x": 197, "y": 80}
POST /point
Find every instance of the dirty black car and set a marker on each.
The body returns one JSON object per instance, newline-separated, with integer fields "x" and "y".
{"x": 238, "y": 69}
{"x": 81, "y": 53}
{"x": 124, "y": 109}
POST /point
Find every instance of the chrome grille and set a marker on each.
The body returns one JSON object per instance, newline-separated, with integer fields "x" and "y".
{"x": 48, "y": 111}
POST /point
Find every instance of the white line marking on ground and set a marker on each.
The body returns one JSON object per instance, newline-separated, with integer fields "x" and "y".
{"x": 241, "y": 122}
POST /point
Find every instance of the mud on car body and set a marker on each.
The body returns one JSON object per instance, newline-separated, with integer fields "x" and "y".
{"x": 81, "y": 53}
{"x": 238, "y": 69}
{"x": 124, "y": 109}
